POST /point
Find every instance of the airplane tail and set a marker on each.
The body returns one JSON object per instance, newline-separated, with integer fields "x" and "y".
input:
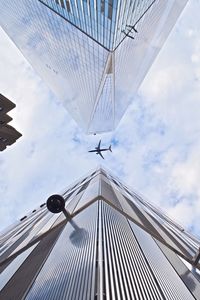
{"x": 110, "y": 148}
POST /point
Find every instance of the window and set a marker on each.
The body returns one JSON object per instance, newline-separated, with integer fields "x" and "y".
{"x": 62, "y": 3}
{"x": 110, "y": 9}
{"x": 102, "y": 6}
{"x": 23, "y": 218}
{"x": 67, "y": 3}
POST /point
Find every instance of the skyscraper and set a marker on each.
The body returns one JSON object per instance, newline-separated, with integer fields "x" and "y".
{"x": 93, "y": 54}
{"x": 107, "y": 243}
{"x": 8, "y": 134}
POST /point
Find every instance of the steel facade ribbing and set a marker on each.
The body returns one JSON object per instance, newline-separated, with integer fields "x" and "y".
{"x": 109, "y": 256}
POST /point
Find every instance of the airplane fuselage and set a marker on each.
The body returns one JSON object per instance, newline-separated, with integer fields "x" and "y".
{"x": 98, "y": 150}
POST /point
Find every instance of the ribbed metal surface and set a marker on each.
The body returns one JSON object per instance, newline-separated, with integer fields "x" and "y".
{"x": 20, "y": 282}
{"x": 158, "y": 227}
{"x": 171, "y": 285}
{"x": 20, "y": 227}
{"x": 108, "y": 194}
{"x": 74, "y": 202}
{"x": 192, "y": 283}
{"x": 107, "y": 257}
{"x": 22, "y": 234}
{"x": 126, "y": 272}
{"x": 156, "y": 223}
{"x": 14, "y": 266}
{"x": 69, "y": 272}
{"x": 114, "y": 193}
{"x": 89, "y": 194}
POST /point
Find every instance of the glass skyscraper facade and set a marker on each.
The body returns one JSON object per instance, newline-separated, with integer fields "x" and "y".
{"x": 93, "y": 54}
{"x": 113, "y": 245}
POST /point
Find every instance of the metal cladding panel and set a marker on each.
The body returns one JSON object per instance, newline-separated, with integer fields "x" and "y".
{"x": 20, "y": 282}
{"x": 184, "y": 273}
{"x": 108, "y": 194}
{"x": 73, "y": 203}
{"x": 165, "y": 235}
{"x": 126, "y": 272}
{"x": 151, "y": 223}
{"x": 69, "y": 43}
{"x": 171, "y": 226}
{"x": 104, "y": 255}
{"x": 23, "y": 233}
{"x": 69, "y": 272}
{"x": 100, "y": 186}
{"x": 14, "y": 266}
{"x": 89, "y": 194}
{"x": 173, "y": 288}
{"x": 156, "y": 223}
{"x": 134, "y": 211}
{"x": 75, "y": 195}
{"x": 48, "y": 225}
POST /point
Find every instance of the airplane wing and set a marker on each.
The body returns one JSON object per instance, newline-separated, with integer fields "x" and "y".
{"x": 101, "y": 154}
{"x": 98, "y": 147}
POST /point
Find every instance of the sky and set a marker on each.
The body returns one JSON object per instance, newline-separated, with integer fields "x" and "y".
{"x": 156, "y": 147}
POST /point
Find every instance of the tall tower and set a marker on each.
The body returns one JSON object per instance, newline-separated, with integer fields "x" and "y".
{"x": 8, "y": 134}
{"x": 104, "y": 242}
{"x": 93, "y": 54}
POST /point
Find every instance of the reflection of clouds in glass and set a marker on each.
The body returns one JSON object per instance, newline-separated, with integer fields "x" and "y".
{"x": 196, "y": 273}
{"x": 70, "y": 62}
{"x": 74, "y": 65}
{"x": 133, "y": 58}
{"x": 189, "y": 281}
{"x": 68, "y": 261}
{"x": 78, "y": 237}
{"x": 99, "y": 20}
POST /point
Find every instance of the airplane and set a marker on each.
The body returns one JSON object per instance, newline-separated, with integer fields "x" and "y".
{"x": 98, "y": 149}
